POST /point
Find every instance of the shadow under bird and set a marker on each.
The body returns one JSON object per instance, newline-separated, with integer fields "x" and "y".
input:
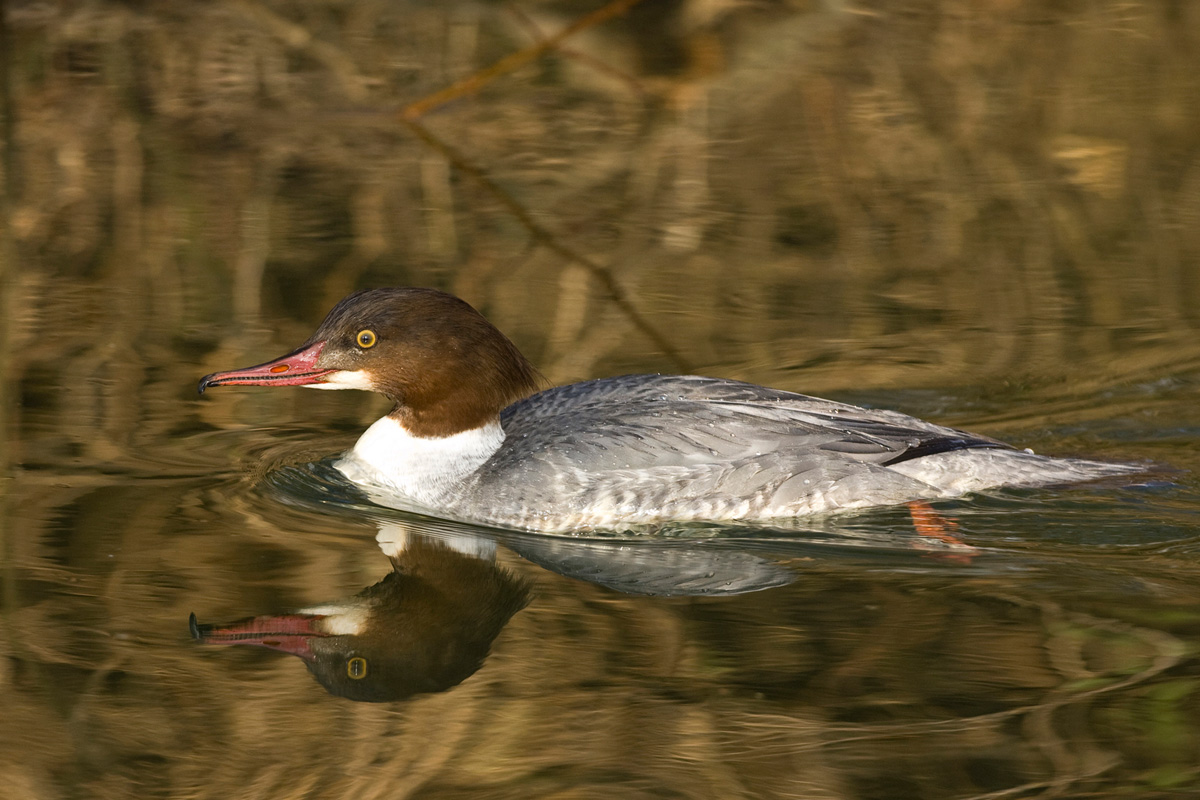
{"x": 471, "y": 438}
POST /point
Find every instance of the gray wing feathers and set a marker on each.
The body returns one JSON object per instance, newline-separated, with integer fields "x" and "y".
{"x": 676, "y": 420}
{"x": 697, "y": 448}
{"x": 648, "y": 448}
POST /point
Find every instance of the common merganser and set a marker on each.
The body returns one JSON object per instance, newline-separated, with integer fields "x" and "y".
{"x": 470, "y": 437}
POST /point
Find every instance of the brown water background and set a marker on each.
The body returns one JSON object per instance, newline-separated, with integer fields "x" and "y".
{"x": 985, "y": 213}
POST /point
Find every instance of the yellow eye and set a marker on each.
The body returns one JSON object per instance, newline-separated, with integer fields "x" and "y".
{"x": 356, "y": 667}
{"x": 365, "y": 339}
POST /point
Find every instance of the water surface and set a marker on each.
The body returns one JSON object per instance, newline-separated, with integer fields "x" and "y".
{"x": 990, "y": 222}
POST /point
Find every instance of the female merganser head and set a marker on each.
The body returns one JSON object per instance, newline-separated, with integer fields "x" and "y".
{"x": 446, "y": 367}
{"x": 466, "y": 441}
{"x": 425, "y": 627}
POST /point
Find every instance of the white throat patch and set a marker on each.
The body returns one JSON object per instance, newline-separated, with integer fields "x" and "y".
{"x": 396, "y": 537}
{"x": 345, "y": 379}
{"x": 422, "y": 469}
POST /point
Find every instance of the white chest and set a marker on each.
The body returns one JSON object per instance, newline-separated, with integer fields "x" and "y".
{"x": 424, "y": 469}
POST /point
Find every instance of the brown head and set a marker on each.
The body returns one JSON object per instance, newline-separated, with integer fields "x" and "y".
{"x": 425, "y": 627}
{"x": 446, "y": 367}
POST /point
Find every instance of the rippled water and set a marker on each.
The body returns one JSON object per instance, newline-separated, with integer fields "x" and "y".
{"x": 989, "y": 222}
{"x": 1052, "y": 649}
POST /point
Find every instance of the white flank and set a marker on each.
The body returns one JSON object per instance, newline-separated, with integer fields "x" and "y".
{"x": 423, "y": 469}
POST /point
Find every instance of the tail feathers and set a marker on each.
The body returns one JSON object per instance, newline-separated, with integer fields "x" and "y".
{"x": 975, "y": 469}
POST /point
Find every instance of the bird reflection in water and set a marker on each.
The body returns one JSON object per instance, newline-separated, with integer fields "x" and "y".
{"x": 429, "y": 624}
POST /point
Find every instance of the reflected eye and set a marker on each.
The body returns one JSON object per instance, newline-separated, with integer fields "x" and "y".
{"x": 365, "y": 339}
{"x": 356, "y": 667}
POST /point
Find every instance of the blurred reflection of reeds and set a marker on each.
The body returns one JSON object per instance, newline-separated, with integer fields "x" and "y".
{"x": 814, "y": 195}
{"x": 918, "y": 191}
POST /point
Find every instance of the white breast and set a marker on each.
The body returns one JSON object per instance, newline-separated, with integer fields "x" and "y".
{"x": 424, "y": 469}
